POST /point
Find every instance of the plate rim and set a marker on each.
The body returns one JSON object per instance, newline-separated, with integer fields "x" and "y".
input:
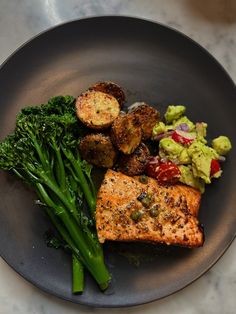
{"x": 122, "y": 16}
{"x": 216, "y": 62}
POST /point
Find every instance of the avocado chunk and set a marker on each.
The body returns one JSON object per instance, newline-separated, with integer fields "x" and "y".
{"x": 222, "y": 145}
{"x": 201, "y": 156}
{"x": 174, "y": 113}
{"x": 159, "y": 128}
{"x": 185, "y": 120}
{"x": 188, "y": 178}
{"x": 173, "y": 151}
{"x": 201, "y": 130}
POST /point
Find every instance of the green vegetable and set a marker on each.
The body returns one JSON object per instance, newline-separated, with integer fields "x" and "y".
{"x": 159, "y": 128}
{"x": 57, "y": 242}
{"x": 136, "y": 215}
{"x": 153, "y": 212}
{"x": 78, "y": 275}
{"x": 78, "y": 272}
{"x": 43, "y": 152}
{"x": 185, "y": 120}
{"x": 222, "y": 145}
{"x": 170, "y": 147}
{"x": 143, "y": 179}
{"x": 184, "y": 157}
{"x": 188, "y": 178}
{"x": 174, "y": 113}
{"x": 201, "y": 157}
{"x": 52, "y": 240}
{"x": 172, "y": 150}
{"x": 145, "y": 199}
{"x": 201, "y": 130}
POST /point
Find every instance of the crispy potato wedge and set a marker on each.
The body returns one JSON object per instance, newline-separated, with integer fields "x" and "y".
{"x": 111, "y": 89}
{"x": 147, "y": 117}
{"x": 97, "y": 110}
{"x": 135, "y": 163}
{"x": 126, "y": 133}
{"x": 97, "y": 149}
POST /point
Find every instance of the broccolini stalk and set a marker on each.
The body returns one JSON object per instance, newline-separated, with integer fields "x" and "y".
{"x": 77, "y": 266}
{"x": 90, "y": 251}
{"x": 78, "y": 275}
{"x": 43, "y": 152}
{"x": 76, "y": 166}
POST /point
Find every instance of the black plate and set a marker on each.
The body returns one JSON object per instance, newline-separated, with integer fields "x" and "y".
{"x": 155, "y": 64}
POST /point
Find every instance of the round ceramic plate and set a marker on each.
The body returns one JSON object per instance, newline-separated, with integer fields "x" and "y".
{"x": 153, "y": 63}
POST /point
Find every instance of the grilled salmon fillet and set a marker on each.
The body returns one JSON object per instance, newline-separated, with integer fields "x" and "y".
{"x": 133, "y": 209}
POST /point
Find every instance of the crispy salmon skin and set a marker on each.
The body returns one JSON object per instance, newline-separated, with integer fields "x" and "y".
{"x": 129, "y": 210}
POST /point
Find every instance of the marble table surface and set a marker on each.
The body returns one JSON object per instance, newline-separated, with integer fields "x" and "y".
{"x": 213, "y": 24}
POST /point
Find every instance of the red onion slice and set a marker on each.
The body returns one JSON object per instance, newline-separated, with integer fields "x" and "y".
{"x": 222, "y": 158}
{"x": 187, "y": 135}
{"x": 183, "y": 127}
{"x": 163, "y": 135}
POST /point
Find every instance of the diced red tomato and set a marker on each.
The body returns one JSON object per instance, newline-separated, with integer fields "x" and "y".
{"x": 164, "y": 172}
{"x": 152, "y": 167}
{"x": 215, "y": 166}
{"x": 181, "y": 139}
{"x": 168, "y": 173}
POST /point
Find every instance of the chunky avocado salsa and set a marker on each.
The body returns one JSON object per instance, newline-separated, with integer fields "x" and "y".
{"x": 184, "y": 144}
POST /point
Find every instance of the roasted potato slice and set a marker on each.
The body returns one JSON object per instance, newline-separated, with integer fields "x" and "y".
{"x": 135, "y": 163}
{"x": 147, "y": 117}
{"x": 97, "y": 110}
{"x": 97, "y": 149}
{"x": 111, "y": 89}
{"x": 126, "y": 133}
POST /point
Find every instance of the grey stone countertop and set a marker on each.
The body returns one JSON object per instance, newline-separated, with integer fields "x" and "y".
{"x": 211, "y": 23}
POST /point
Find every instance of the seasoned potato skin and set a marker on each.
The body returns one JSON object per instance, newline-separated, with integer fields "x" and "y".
{"x": 98, "y": 150}
{"x": 126, "y": 133}
{"x": 135, "y": 163}
{"x": 111, "y": 89}
{"x": 97, "y": 110}
{"x": 147, "y": 117}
